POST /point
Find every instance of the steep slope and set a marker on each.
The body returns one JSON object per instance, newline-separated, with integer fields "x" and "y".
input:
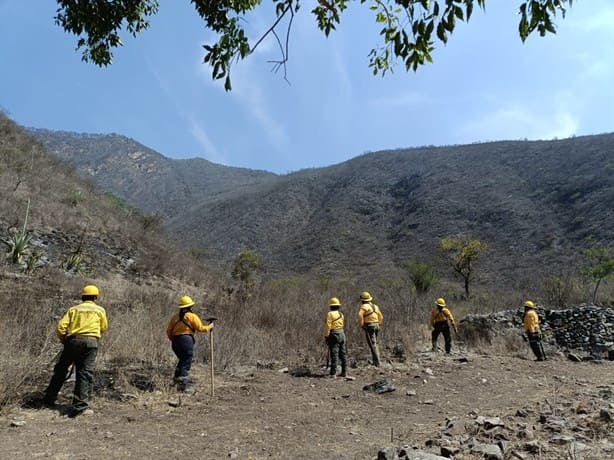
{"x": 69, "y": 222}
{"x": 532, "y": 202}
{"x": 143, "y": 177}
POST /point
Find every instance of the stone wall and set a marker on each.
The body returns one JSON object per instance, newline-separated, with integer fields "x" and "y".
{"x": 587, "y": 328}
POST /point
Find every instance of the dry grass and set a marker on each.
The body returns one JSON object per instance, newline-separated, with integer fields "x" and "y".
{"x": 141, "y": 278}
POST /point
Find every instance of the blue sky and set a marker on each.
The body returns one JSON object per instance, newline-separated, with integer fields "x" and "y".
{"x": 485, "y": 84}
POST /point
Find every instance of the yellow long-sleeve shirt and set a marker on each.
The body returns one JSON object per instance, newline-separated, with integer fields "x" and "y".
{"x": 191, "y": 323}
{"x": 442, "y": 315}
{"x": 87, "y": 319}
{"x": 334, "y": 320}
{"x": 369, "y": 313}
{"x": 531, "y": 321}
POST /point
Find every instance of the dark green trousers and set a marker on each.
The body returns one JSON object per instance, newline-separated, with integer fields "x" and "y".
{"x": 535, "y": 342}
{"x": 82, "y": 352}
{"x": 338, "y": 352}
{"x": 371, "y": 333}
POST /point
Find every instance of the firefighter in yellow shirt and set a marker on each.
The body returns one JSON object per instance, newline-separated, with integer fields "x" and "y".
{"x": 370, "y": 318}
{"x": 79, "y": 330}
{"x": 335, "y": 337}
{"x": 532, "y": 330}
{"x": 441, "y": 319}
{"x": 180, "y": 331}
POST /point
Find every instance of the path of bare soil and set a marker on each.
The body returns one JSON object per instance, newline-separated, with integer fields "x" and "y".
{"x": 266, "y": 413}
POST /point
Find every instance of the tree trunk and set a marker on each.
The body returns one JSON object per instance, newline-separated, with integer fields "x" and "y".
{"x": 595, "y": 291}
{"x": 467, "y": 287}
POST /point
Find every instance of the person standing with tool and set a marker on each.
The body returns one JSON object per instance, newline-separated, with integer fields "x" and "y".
{"x": 441, "y": 319}
{"x": 79, "y": 330}
{"x": 370, "y": 319}
{"x": 181, "y": 330}
{"x": 532, "y": 330}
{"x": 335, "y": 338}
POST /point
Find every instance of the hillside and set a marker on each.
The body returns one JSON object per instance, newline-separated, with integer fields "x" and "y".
{"x": 58, "y": 233}
{"x": 534, "y": 203}
{"x": 272, "y": 399}
{"x": 143, "y": 177}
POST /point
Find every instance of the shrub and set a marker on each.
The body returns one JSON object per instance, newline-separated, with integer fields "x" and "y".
{"x": 422, "y": 275}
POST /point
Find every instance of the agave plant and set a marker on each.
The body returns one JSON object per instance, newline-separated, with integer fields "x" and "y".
{"x": 32, "y": 261}
{"x": 73, "y": 262}
{"x": 18, "y": 244}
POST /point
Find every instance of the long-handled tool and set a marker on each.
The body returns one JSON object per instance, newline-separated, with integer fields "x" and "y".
{"x": 212, "y": 357}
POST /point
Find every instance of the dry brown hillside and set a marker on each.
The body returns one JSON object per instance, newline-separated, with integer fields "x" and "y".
{"x": 271, "y": 399}
{"x": 533, "y": 202}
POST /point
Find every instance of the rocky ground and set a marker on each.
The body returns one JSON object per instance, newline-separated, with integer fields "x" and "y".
{"x": 463, "y": 406}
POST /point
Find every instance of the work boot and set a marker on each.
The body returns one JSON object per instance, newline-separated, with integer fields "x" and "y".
{"x": 434, "y": 346}
{"x": 48, "y": 403}
{"x": 182, "y": 383}
{"x": 72, "y": 413}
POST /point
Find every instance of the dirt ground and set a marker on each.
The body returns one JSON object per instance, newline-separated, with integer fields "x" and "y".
{"x": 261, "y": 413}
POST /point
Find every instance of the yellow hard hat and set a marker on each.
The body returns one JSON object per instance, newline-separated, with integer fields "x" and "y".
{"x": 90, "y": 289}
{"x": 365, "y": 296}
{"x": 529, "y": 304}
{"x": 334, "y": 302}
{"x": 185, "y": 302}
{"x": 440, "y": 302}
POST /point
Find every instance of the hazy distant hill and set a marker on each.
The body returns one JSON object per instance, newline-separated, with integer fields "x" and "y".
{"x": 534, "y": 203}
{"x": 142, "y": 176}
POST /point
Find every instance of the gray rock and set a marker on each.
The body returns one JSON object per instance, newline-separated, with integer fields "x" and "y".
{"x": 488, "y": 422}
{"x": 579, "y": 447}
{"x": 420, "y": 455}
{"x": 533, "y": 447}
{"x": 301, "y": 371}
{"x": 488, "y": 451}
{"x": 525, "y": 433}
{"x": 379, "y": 387}
{"x": 449, "y": 451}
{"x": 561, "y": 440}
{"x": 388, "y": 453}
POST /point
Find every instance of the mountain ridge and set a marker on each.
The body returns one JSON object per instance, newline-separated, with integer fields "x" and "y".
{"x": 533, "y": 202}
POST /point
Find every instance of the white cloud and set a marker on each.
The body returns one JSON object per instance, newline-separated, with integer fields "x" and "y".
{"x": 204, "y": 140}
{"x": 251, "y": 97}
{"x": 519, "y": 122}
